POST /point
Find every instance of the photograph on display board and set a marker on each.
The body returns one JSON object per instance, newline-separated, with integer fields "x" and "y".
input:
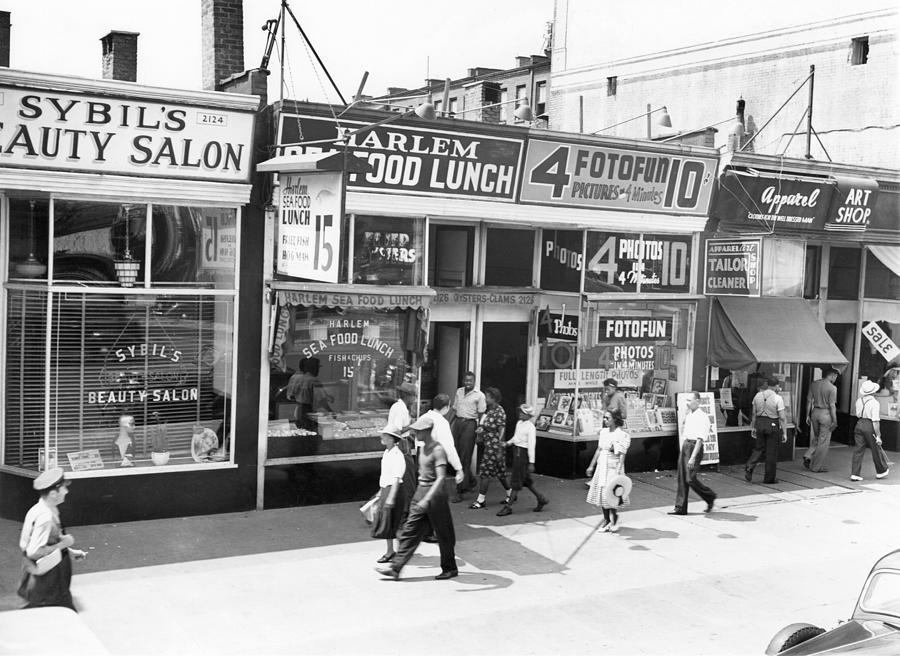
{"x": 543, "y": 422}
{"x": 707, "y": 405}
{"x": 667, "y": 418}
{"x": 659, "y": 386}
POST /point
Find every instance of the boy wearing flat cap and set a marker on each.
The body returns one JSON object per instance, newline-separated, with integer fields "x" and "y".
{"x": 523, "y": 444}
{"x": 42, "y": 536}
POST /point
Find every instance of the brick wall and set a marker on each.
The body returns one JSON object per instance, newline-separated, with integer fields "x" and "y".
{"x": 856, "y": 108}
{"x": 222, "y": 23}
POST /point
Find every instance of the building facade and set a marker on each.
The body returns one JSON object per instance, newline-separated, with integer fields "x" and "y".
{"x": 592, "y": 88}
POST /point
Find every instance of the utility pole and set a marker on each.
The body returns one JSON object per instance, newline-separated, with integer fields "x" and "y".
{"x": 809, "y": 128}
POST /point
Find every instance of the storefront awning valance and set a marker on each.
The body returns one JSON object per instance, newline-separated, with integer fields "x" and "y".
{"x": 746, "y": 331}
{"x": 355, "y": 296}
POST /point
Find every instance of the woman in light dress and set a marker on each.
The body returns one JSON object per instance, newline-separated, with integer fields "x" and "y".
{"x": 608, "y": 461}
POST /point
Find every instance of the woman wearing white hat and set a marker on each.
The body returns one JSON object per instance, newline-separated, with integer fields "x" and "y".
{"x": 523, "y": 444}
{"x": 392, "y": 499}
{"x": 605, "y": 468}
{"x": 867, "y": 433}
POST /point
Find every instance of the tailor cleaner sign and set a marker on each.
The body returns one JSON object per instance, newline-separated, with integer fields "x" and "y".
{"x": 733, "y": 267}
{"x": 577, "y": 175}
{"x": 52, "y": 130}
{"x": 309, "y": 225}
{"x": 415, "y": 160}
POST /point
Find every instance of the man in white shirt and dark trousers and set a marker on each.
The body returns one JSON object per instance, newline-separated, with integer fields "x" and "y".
{"x": 867, "y": 432}
{"x": 523, "y": 444}
{"x": 468, "y": 406}
{"x": 767, "y": 422}
{"x": 695, "y": 428}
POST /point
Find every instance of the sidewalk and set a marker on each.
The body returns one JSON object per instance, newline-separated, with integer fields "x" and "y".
{"x": 321, "y": 555}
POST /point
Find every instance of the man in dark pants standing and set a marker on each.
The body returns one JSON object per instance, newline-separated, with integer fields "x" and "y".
{"x": 768, "y": 422}
{"x": 468, "y": 406}
{"x": 695, "y": 428}
{"x": 429, "y": 509}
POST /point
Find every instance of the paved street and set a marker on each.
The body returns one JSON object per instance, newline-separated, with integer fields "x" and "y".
{"x": 301, "y": 580}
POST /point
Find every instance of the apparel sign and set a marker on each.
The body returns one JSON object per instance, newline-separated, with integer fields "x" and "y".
{"x": 117, "y": 135}
{"x": 576, "y": 175}
{"x": 415, "y": 160}
{"x": 733, "y": 267}
{"x": 637, "y": 263}
{"x": 634, "y": 329}
{"x": 880, "y": 341}
{"x": 774, "y": 202}
{"x": 309, "y": 225}
{"x": 552, "y": 325}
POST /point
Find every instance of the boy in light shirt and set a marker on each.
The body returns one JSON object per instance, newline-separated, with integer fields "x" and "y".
{"x": 523, "y": 444}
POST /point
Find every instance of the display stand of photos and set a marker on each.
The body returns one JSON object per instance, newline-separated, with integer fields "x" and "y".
{"x": 707, "y": 405}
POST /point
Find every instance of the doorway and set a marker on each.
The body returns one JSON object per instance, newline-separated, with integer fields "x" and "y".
{"x": 504, "y": 364}
{"x": 448, "y": 354}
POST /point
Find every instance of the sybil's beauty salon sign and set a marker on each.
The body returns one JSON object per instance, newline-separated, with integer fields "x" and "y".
{"x": 48, "y": 129}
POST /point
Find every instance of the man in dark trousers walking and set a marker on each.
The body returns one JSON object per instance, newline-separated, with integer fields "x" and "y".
{"x": 821, "y": 415}
{"x": 767, "y": 423}
{"x": 429, "y": 509}
{"x": 695, "y": 428}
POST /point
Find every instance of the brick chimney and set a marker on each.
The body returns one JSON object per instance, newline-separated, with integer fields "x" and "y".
{"x": 222, "y": 23}
{"x": 120, "y": 56}
{"x": 4, "y": 39}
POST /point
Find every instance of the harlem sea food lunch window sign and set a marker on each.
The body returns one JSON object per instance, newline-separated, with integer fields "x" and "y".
{"x": 581, "y": 175}
{"x": 309, "y": 225}
{"x": 388, "y": 250}
{"x": 733, "y": 267}
{"x": 637, "y": 263}
{"x": 123, "y": 135}
{"x": 417, "y": 160}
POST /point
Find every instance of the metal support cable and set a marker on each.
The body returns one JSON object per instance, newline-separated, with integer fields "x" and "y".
{"x": 312, "y": 47}
{"x": 750, "y": 141}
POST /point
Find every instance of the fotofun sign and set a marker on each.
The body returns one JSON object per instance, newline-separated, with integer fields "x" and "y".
{"x": 309, "y": 225}
{"x": 48, "y": 129}
{"x": 418, "y": 160}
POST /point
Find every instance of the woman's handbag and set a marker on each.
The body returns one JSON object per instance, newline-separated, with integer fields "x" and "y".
{"x": 369, "y": 508}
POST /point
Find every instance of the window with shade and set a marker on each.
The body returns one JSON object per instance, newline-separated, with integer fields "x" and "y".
{"x": 126, "y": 352}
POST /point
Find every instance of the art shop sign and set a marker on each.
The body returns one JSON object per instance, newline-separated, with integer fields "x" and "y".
{"x": 416, "y": 160}
{"x": 53, "y": 130}
{"x": 733, "y": 267}
{"x": 773, "y": 202}
{"x": 587, "y": 176}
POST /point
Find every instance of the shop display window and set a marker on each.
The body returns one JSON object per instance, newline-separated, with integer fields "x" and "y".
{"x": 450, "y": 255}
{"x": 813, "y": 267}
{"x": 881, "y": 282}
{"x": 193, "y": 246}
{"x": 338, "y": 373}
{"x": 113, "y": 380}
{"x": 637, "y": 263}
{"x": 638, "y": 345}
{"x": 873, "y": 365}
{"x": 843, "y": 274}
{"x": 734, "y": 391}
{"x": 562, "y": 258}
{"x": 783, "y": 267}
{"x": 388, "y": 250}
{"x": 509, "y": 257}
{"x": 27, "y": 237}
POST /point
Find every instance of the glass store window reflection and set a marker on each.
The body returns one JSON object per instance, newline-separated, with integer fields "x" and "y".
{"x": 388, "y": 250}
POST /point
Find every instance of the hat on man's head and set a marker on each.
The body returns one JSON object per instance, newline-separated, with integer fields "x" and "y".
{"x": 50, "y": 478}
{"x": 616, "y": 491}
{"x": 406, "y": 388}
{"x": 610, "y": 382}
{"x": 526, "y": 409}
{"x": 422, "y": 423}
{"x": 393, "y": 431}
{"x": 868, "y": 387}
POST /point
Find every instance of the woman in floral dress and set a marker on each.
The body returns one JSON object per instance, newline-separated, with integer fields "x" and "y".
{"x": 493, "y": 459}
{"x": 608, "y": 461}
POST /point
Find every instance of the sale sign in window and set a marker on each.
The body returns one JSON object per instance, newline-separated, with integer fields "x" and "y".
{"x": 309, "y": 225}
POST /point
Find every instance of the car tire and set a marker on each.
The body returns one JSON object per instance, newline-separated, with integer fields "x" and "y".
{"x": 791, "y": 636}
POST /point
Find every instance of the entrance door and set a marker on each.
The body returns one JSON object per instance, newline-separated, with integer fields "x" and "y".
{"x": 504, "y": 364}
{"x": 448, "y": 352}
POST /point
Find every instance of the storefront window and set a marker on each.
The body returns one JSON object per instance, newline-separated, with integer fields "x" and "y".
{"x": 881, "y": 282}
{"x": 637, "y": 263}
{"x": 562, "y": 259}
{"x": 345, "y": 366}
{"x": 509, "y": 257}
{"x": 450, "y": 254}
{"x": 843, "y": 274}
{"x": 99, "y": 242}
{"x": 633, "y": 343}
{"x": 388, "y": 250}
{"x": 783, "y": 267}
{"x": 120, "y": 376}
{"x": 194, "y": 246}
{"x": 28, "y": 221}
{"x": 735, "y": 390}
{"x": 811, "y": 276}
{"x": 874, "y": 366}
